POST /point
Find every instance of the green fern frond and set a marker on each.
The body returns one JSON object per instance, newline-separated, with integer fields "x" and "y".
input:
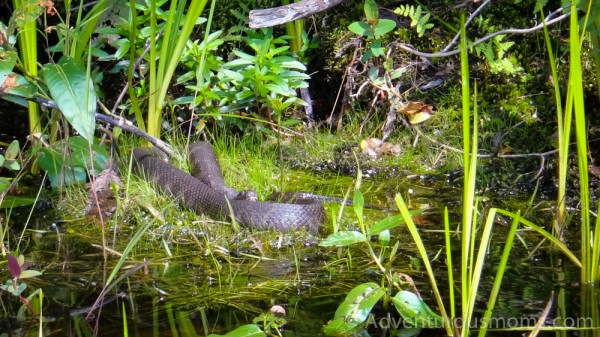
{"x": 418, "y": 18}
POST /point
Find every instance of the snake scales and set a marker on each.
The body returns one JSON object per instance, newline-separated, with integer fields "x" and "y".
{"x": 206, "y": 193}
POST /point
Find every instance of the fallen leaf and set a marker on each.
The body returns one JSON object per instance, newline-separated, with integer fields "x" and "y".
{"x": 417, "y": 111}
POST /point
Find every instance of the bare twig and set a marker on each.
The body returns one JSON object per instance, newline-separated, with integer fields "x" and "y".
{"x": 547, "y": 22}
{"x": 471, "y": 17}
{"x": 541, "y": 155}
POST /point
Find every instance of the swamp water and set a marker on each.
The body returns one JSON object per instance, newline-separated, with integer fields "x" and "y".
{"x": 186, "y": 277}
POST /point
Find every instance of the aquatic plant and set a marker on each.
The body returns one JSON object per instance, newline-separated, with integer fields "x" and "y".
{"x": 19, "y": 270}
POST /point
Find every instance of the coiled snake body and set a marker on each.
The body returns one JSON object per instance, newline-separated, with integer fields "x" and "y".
{"x": 205, "y": 193}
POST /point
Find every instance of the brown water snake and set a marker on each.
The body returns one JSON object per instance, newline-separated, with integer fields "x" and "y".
{"x": 206, "y": 193}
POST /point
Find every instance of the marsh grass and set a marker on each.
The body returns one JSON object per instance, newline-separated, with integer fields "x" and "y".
{"x": 473, "y": 256}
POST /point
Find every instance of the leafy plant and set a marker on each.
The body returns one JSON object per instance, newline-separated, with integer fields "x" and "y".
{"x": 19, "y": 271}
{"x": 73, "y": 43}
{"x": 8, "y": 161}
{"x": 418, "y": 18}
{"x": 69, "y": 161}
{"x": 73, "y": 91}
{"x": 353, "y": 313}
{"x": 495, "y": 50}
{"x": 373, "y": 29}
{"x": 266, "y": 80}
{"x": 166, "y": 32}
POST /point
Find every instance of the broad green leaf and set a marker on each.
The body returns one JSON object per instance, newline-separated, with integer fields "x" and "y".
{"x": 29, "y": 274}
{"x": 10, "y": 201}
{"x": 12, "y": 152}
{"x": 294, "y": 75}
{"x": 289, "y": 62}
{"x": 361, "y": 28}
{"x": 377, "y": 49}
{"x": 384, "y": 238}
{"x": 73, "y": 93}
{"x": 249, "y": 330}
{"x": 415, "y": 311}
{"x": 390, "y": 222}
{"x": 358, "y": 202}
{"x": 339, "y": 327}
{"x": 367, "y": 55}
{"x": 278, "y": 50}
{"x": 244, "y": 56}
{"x": 234, "y": 75}
{"x": 373, "y": 73}
{"x": 68, "y": 162}
{"x": 396, "y": 73}
{"x": 384, "y": 26}
{"x": 4, "y": 185}
{"x": 278, "y": 89}
{"x": 9, "y": 286}
{"x": 291, "y": 122}
{"x": 8, "y": 59}
{"x": 355, "y": 309}
{"x": 12, "y": 165}
{"x": 343, "y": 238}
{"x": 19, "y": 86}
{"x": 371, "y": 11}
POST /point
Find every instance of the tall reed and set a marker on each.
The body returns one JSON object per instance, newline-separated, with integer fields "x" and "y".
{"x": 165, "y": 56}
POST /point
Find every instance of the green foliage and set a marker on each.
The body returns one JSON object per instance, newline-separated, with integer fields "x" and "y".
{"x": 418, "y": 18}
{"x": 10, "y": 162}
{"x": 373, "y": 29}
{"x": 249, "y": 330}
{"x": 19, "y": 271}
{"x": 352, "y": 314}
{"x": 70, "y": 161}
{"x": 269, "y": 76}
{"x": 73, "y": 92}
{"x": 355, "y": 310}
{"x": 495, "y": 50}
{"x": 263, "y": 82}
{"x": 415, "y": 311}
{"x": 266, "y": 324}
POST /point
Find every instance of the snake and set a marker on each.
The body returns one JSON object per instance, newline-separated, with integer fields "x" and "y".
{"x": 204, "y": 191}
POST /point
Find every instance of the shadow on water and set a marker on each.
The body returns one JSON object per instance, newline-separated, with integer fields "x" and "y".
{"x": 210, "y": 284}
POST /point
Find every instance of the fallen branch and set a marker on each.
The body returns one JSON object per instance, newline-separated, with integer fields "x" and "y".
{"x": 109, "y": 118}
{"x": 269, "y": 17}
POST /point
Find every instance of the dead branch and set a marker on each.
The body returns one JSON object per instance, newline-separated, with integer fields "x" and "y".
{"x": 270, "y": 17}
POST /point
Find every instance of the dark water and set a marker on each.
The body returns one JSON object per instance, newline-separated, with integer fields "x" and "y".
{"x": 202, "y": 282}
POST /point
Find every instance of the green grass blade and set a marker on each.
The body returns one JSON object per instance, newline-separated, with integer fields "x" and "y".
{"x": 423, "y": 254}
{"x": 554, "y": 240}
{"x": 477, "y": 270}
{"x": 500, "y": 273}
{"x": 449, "y": 264}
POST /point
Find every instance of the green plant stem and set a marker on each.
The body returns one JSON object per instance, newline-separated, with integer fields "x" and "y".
{"x": 468, "y": 179}
{"x": 412, "y": 228}
{"x": 562, "y": 141}
{"x": 135, "y": 105}
{"x": 576, "y": 83}
{"x": 153, "y": 110}
{"x": 449, "y": 262}
{"x": 501, "y": 268}
{"x": 27, "y": 39}
{"x": 171, "y": 57}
